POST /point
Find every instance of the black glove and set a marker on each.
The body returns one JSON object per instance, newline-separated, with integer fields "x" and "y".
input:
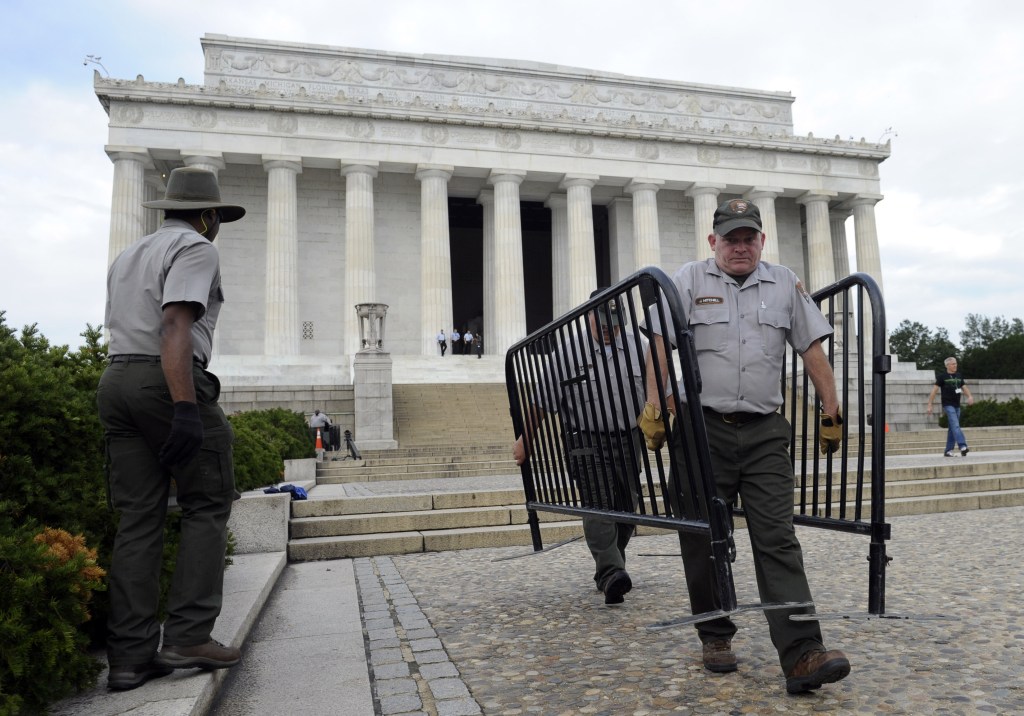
{"x": 186, "y": 436}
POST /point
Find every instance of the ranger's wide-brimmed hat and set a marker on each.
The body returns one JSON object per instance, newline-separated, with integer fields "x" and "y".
{"x": 190, "y": 188}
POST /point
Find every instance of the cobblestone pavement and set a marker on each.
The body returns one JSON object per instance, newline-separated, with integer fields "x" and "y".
{"x": 456, "y": 633}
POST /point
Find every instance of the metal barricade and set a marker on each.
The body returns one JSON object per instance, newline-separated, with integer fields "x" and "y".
{"x": 578, "y": 456}
{"x": 573, "y": 455}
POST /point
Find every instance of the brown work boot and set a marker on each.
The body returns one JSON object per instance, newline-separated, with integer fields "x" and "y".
{"x": 718, "y": 656}
{"x": 817, "y": 667}
{"x": 211, "y": 655}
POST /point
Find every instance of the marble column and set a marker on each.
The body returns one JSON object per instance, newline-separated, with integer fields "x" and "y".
{"x": 559, "y": 205}
{"x": 646, "y": 235}
{"x": 705, "y": 201}
{"x": 841, "y": 262}
{"x": 764, "y": 198}
{"x": 820, "y": 267}
{"x": 486, "y": 200}
{"x": 202, "y": 159}
{"x": 360, "y": 273}
{"x": 869, "y": 260}
{"x": 582, "y": 269}
{"x": 865, "y": 230}
{"x": 282, "y": 329}
{"x": 153, "y": 191}
{"x": 127, "y": 215}
{"x": 840, "y": 251}
{"x": 435, "y": 255}
{"x": 509, "y": 288}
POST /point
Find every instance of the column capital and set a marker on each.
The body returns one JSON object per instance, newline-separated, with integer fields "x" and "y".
{"x": 643, "y": 185}
{"x": 556, "y": 201}
{"x": 434, "y": 171}
{"x": 700, "y": 188}
{"x": 191, "y": 157}
{"x": 816, "y": 195}
{"x": 154, "y": 179}
{"x": 763, "y": 192}
{"x": 120, "y": 151}
{"x": 278, "y": 161}
{"x": 485, "y": 197}
{"x": 357, "y": 167}
{"x": 506, "y": 175}
{"x": 861, "y": 200}
{"x": 839, "y": 213}
{"x": 571, "y": 180}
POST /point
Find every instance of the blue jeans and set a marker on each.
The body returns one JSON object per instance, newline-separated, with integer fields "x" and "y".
{"x": 954, "y": 436}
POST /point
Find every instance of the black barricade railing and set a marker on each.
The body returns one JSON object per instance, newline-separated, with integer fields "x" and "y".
{"x": 831, "y": 489}
{"x": 578, "y": 409}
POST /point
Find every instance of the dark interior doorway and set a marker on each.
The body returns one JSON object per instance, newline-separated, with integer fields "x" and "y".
{"x": 466, "y": 220}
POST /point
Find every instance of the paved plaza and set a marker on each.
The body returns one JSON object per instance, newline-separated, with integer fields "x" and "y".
{"x": 532, "y": 636}
{"x": 457, "y": 633}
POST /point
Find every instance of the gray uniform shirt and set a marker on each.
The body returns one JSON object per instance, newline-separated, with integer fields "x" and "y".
{"x": 741, "y": 332}
{"x": 175, "y": 264}
{"x": 577, "y": 383}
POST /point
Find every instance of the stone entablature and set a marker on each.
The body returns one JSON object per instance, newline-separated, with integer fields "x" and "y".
{"x": 372, "y": 86}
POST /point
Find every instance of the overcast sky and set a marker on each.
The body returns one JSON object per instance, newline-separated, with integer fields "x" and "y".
{"x": 943, "y": 80}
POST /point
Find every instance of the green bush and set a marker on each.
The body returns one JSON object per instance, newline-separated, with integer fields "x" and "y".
{"x": 46, "y": 582}
{"x": 264, "y": 439}
{"x": 989, "y": 413}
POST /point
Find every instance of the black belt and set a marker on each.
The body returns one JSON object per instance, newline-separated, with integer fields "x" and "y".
{"x": 736, "y": 419}
{"x": 141, "y": 358}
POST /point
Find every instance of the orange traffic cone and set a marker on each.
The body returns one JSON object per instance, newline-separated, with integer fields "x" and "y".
{"x": 319, "y": 447}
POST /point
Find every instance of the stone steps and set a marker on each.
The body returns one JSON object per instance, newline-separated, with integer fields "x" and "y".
{"x": 457, "y": 514}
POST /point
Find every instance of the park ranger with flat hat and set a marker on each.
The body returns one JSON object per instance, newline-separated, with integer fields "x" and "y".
{"x": 158, "y": 406}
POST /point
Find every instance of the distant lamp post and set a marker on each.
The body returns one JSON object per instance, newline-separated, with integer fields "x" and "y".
{"x": 93, "y": 59}
{"x": 371, "y": 326}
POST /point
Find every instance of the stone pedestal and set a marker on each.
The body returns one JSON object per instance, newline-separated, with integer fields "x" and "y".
{"x": 374, "y": 405}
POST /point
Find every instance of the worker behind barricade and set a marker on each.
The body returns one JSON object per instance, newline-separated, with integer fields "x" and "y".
{"x": 320, "y": 421}
{"x": 593, "y": 381}
{"x": 742, "y": 312}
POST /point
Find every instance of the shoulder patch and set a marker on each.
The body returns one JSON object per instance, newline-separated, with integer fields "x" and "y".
{"x": 803, "y": 291}
{"x": 708, "y": 300}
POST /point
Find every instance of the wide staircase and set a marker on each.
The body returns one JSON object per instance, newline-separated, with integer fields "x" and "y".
{"x": 452, "y": 484}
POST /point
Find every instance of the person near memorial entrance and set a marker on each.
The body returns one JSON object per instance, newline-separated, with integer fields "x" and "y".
{"x": 442, "y": 342}
{"x": 467, "y": 338}
{"x": 742, "y": 312}
{"x": 320, "y": 420}
{"x": 158, "y": 406}
{"x": 952, "y": 385}
{"x": 456, "y": 341}
{"x": 610, "y": 481}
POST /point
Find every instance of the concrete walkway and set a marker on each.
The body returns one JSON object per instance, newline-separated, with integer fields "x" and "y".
{"x": 454, "y": 633}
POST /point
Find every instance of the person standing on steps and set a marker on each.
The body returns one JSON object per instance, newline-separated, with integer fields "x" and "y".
{"x": 952, "y": 385}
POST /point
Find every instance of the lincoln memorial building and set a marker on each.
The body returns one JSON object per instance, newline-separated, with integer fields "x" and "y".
{"x": 463, "y": 192}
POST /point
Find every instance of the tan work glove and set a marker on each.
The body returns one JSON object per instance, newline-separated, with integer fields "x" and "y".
{"x": 830, "y": 433}
{"x": 653, "y": 427}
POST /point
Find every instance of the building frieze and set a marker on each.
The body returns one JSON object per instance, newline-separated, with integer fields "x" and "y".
{"x": 134, "y": 102}
{"x": 729, "y": 152}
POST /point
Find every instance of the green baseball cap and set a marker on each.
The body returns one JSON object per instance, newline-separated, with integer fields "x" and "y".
{"x": 737, "y": 214}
